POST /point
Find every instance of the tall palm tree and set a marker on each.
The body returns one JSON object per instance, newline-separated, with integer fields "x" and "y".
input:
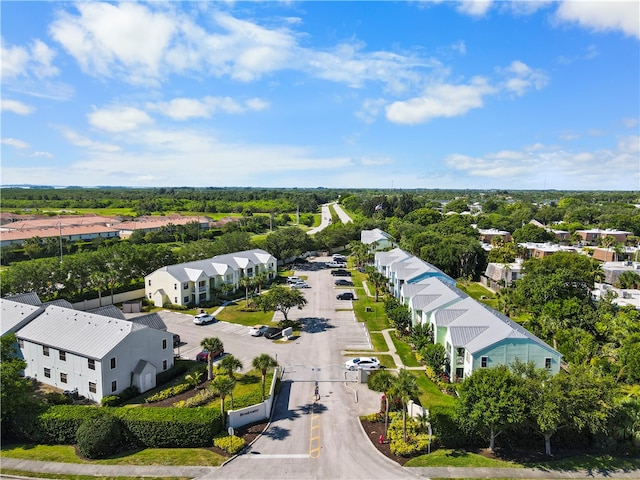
{"x": 377, "y": 279}
{"x": 223, "y": 386}
{"x": 263, "y": 363}
{"x": 211, "y": 345}
{"x": 383, "y": 381}
{"x": 405, "y": 387}
{"x": 247, "y": 283}
{"x": 261, "y": 279}
{"x": 230, "y": 364}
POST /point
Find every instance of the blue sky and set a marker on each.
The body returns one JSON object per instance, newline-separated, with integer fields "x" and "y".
{"x": 473, "y": 94}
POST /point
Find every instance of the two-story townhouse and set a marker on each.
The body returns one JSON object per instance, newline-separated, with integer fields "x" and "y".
{"x": 384, "y": 260}
{"x": 412, "y": 270}
{"x": 196, "y": 282}
{"x": 500, "y": 275}
{"x": 427, "y": 295}
{"x": 377, "y": 239}
{"x": 95, "y": 354}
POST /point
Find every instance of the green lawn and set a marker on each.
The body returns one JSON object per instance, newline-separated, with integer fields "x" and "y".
{"x": 404, "y": 350}
{"x": 147, "y": 456}
{"x": 378, "y": 342}
{"x": 237, "y": 313}
{"x": 596, "y": 463}
{"x": 430, "y": 395}
{"x": 59, "y": 476}
{"x": 458, "y": 458}
{"x": 480, "y": 293}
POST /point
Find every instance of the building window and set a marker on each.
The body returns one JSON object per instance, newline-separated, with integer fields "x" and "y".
{"x": 114, "y": 386}
{"x": 149, "y": 282}
{"x": 63, "y": 377}
{"x": 175, "y": 299}
{"x": 47, "y": 372}
{"x": 164, "y": 344}
{"x": 186, "y": 299}
{"x": 483, "y": 362}
{"x": 113, "y": 363}
{"x": 92, "y": 363}
{"x": 185, "y": 286}
{"x": 92, "y": 387}
{"x": 547, "y": 362}
{"x": 45, "y": 351}
{"x": 63, "y": 355}
{"x": 175, "y": 286}
{"x": 20, "y": 343}
{"x": 164, "y": 364}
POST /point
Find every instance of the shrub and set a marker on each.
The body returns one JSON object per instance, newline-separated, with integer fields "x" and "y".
{"x": 230, "y": 444}
{"x": 56, "y": 398}
{"x": 99, "y": 437}
{"x": 416, "y": 445}
{"x": 169, "y": 392}
{"x": 179, "y": 367}
{"x": 199, "y": 399}
{"x": 110, "y": 401}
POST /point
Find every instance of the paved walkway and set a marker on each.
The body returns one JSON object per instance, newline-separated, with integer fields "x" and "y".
{"x": 207, "y": 472}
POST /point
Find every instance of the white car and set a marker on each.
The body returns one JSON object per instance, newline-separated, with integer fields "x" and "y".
{"x": 363, "y": 363}
{"x": 301, "y": 284}
{"x": 203, "y": 319}
{"x": 258, "y": 330}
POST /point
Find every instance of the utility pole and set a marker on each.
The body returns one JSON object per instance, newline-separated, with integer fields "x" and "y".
{"x": 60, "y": 236}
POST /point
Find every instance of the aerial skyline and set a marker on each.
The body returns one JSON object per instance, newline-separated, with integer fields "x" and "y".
{"x": 473, "y": 94}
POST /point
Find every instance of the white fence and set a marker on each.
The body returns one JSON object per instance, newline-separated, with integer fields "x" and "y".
{"x": 254, "y": 413}
{"x": 416, "y": 410}
{"x": 106, "y": 299}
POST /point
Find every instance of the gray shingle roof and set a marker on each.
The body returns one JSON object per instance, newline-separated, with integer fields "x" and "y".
{"x": 151, "y": 320}
{"x": 30, "y": 298}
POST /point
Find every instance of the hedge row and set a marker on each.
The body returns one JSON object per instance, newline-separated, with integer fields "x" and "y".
{"x": 144, "y": 427}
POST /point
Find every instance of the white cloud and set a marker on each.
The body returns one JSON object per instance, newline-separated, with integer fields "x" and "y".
{"x": 36, "y": 60}
{"x": 78, "y": 140}
{"x": 370, "y": 109}
{"x": 118, "y": 118}
{"x": 521, "y": 78}
{"x": 475, "y": 8}
{"x": 630, "y": 145}
{"x": 442, "y": 100}
{"x": 623, "y": 16}
{"x": 42, "y": 154}
{"x": 186, "y": 108}
{"x": 16, "y": 107}
{"x": 15, "y": 143}
{"x": 630, "y": 122}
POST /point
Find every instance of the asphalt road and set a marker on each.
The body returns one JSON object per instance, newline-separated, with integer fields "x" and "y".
{"x": 307, "y": 438}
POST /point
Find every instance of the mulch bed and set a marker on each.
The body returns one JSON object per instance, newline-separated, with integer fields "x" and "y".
{"x": 373, "y": 431}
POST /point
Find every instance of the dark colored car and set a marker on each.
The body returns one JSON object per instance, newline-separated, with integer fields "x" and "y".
{"x": 341, "y": 273}
{"x": 272, "y": 333}
{"x": 202, "y": 356}
{"x": 344, "y": 283}
{"x": 176, "y": 340}
{"x": 345, "y": 296}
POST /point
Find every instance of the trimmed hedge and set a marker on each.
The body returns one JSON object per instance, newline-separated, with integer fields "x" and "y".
{"x": 148, "y": 427}
{"x": 100, "y": 436}
{"x": 230, "y": 444}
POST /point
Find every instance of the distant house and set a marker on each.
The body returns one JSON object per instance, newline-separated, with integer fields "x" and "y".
{"x": 155, "y": 224}
{"x": 473, "y": 335}
{"x": 195, "y": 282}
{"x": 377, "y": 239}
{"x": 500, "y": 275}
{"x": 95, "y": 354}
{"x": 594, "y": 235}
{"x": 488, "y": 234}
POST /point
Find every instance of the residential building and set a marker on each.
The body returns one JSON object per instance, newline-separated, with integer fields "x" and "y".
{"x": 196, "y": 282}
{"x": 95, "y": 354}
{"x": 500, "y": 275}
{"x": 377, "y": 239}
{"x": 594, "y": 235}
{"x": 154, "y": 224}
{"x": 488, "y": 234}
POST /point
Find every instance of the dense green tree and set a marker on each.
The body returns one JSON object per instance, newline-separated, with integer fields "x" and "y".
{"x": 281, "y": 299}
{"x": 16, "y": 391}
{"x": 377, "y": 280}
{"x": 398, "y": 314}
{"x": 287, "y": 243}
{"x": 223, "y": 386}
{"x": 435, "y": 356}
{"x": 405, "y": 387}
{"x": 532, "y": 233}
{"x": 424, "y": 216}
{"x": 491, "y": 400}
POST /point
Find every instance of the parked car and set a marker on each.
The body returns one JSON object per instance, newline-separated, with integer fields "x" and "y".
{"x": 341, "y": 272}
{"x": 294, "y": 280}
{"x": 203, "y": 355}
{"x": 346, "y": 296}
{"x": 336, "y": 264}
{"x": 344, "y": 283}
{"x": 258, "y": 330}
{"x": 176, "y": 340}
{"x": 301, "y": 284}
{"x": 272, "y": 333}
{"x": 363, "y": 363}
{"x": 339, "y": 258}
{"x": 203, "y": 319}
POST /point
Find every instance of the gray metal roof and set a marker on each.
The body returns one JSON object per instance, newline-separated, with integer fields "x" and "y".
{"x": 61, "y": 302}
{"x": 418, "y": 302}
{"x": 108, "y": 311}
{"x": 83, "y": 333}
{"x": 446, "y": 316}
{"x": 387, "y": 258}
{"x": 30, "y": 298}
{"x": 218, "y": 265}
{"x": 151, "y": 320}
{"x": 16, "y": 314}
{"x": 371, "y": 236}
{"x": 461, "y": 336}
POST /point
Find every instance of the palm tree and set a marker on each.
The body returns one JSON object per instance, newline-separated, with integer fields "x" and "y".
{"x": 98, "y": 280}
{"x": 230, "y": 364}
{"x": 260, "y": 280}
{"x": 223, "y": 386}
{"x": 247, "y": 283}
{"x": 377, "y": 279}
{"x": 383, "y": 381}
{"x": 263, "y": 363}
{"x": 211, "y": 345}
{"x": 405, "y": 387}
{"x": 194, "y": 378}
